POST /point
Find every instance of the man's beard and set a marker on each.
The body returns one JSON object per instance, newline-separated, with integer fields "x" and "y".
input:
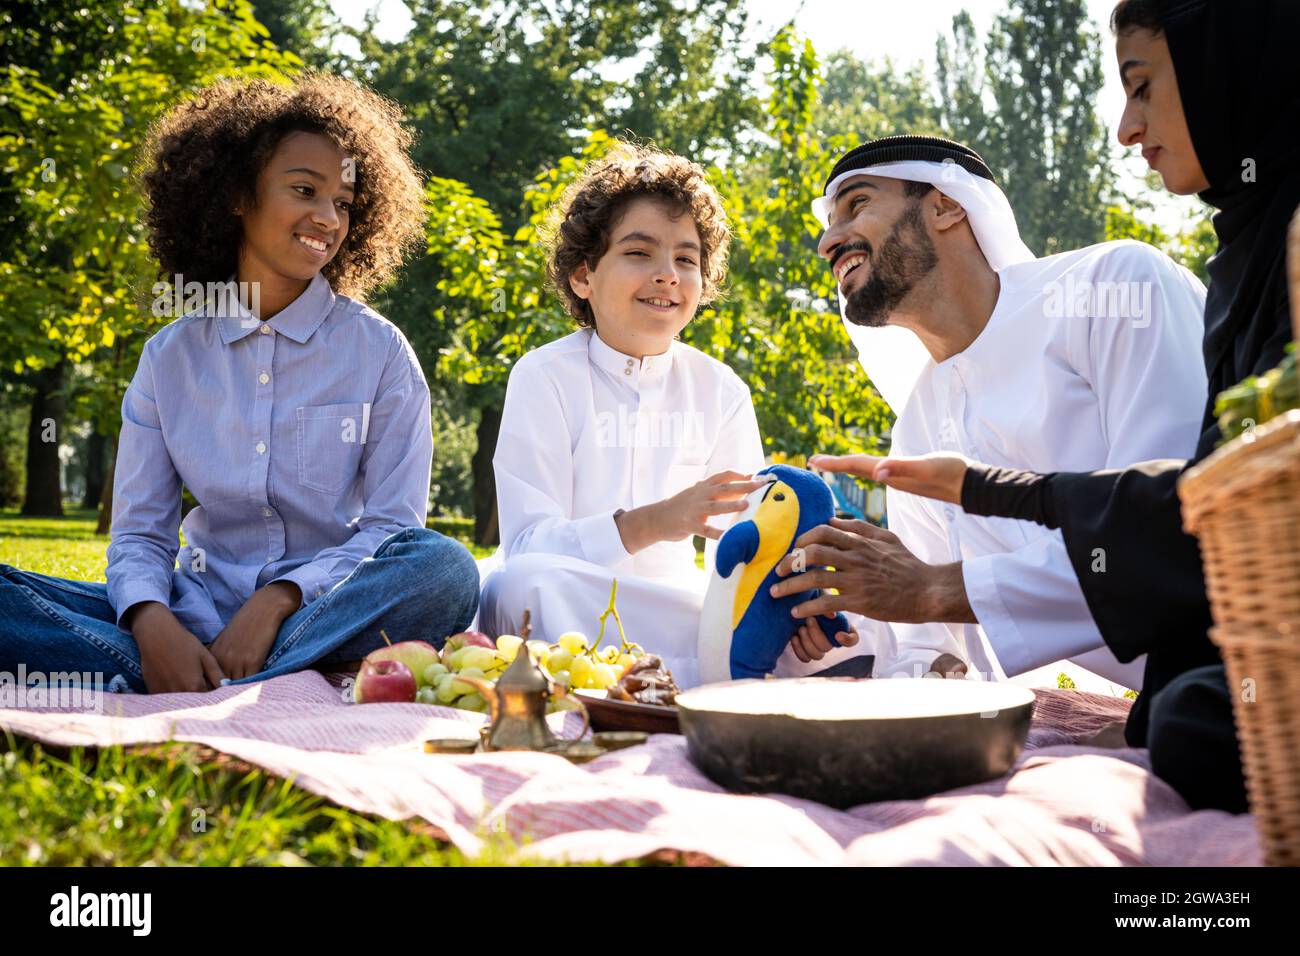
{"x": 906, "y": 257}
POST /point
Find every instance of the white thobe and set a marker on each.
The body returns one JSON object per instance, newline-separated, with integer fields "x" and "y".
{"x": 586, "y": 431}
{"x": 1090, "y": 360}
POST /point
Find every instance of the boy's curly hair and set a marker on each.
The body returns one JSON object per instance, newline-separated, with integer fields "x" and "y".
{"x": 581, "y": 223}
{"x": 203, "y": 157}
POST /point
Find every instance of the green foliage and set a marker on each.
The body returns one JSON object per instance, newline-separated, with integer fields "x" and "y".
{"x": 75, "y": 273}
{"x": 1065, "y": 682}
{"x": 305, "y": 28}
{"x": 776, "y": 325}
{"x": 13, "y": 448}
{"x": 692, "y": 95}
{"x": 779, "y": 325}
{"x": 496, "y": 284}
{"x": 862, "y": 101}
{"x": 178, "y": 804}
{"x": 1123, "y": 223}
{"x": 1026, "y": 101}
{"x": 453, "y": 449}
{"x": 452, "y": 527}
{"x": 1191, "y": 248}
{"x": 501, "y": 93}
{"x": 508, "y": 102}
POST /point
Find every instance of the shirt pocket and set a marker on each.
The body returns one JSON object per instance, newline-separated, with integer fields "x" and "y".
{"x": 330, "y": 439}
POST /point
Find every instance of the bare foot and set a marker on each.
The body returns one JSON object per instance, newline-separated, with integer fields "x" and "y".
{"x": 1112, "y": 735}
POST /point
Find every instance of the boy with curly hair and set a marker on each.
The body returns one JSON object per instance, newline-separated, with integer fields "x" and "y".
{"x": 618, "y": 442}
{"x": 300, "y": 425}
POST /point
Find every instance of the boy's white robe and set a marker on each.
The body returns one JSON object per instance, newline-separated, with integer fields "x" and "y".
{"x": 585, "y": 431}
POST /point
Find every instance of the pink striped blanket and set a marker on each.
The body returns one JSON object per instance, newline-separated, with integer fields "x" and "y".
{"x": 1062, "y": 804}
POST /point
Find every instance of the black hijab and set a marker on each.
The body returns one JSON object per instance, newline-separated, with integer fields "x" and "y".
{"x": 1239, "y": 79}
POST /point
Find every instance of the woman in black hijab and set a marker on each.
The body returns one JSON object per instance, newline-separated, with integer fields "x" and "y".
{"x": 1214, "y": 100}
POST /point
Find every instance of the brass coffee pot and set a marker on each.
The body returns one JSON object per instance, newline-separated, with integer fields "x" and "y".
{"x": 518, "y": 702}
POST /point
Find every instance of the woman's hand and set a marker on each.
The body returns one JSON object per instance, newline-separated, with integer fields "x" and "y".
{"x": 938, "y": 475}
{"x": 243, "y": 644}
{"x": 171, "y": 658}
{"x": 687, "y": 512}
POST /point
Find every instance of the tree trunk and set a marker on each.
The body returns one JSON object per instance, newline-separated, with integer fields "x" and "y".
{"x": 44, "y": 494}
{"x": 486, "y": 532}
{"x": 96, "y": 453}
{"x": 105, "y": 522}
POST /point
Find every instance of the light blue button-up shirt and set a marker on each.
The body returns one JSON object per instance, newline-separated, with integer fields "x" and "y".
{"x": 305, "y": 440}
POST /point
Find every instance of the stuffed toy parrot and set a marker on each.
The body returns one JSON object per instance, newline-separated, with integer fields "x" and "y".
{"x": 743, "y": 629}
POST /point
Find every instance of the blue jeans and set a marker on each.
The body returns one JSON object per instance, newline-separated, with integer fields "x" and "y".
{"x": 419, "y": 585}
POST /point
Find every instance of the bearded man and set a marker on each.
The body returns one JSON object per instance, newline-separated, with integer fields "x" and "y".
{"x": 1079, "y": 361}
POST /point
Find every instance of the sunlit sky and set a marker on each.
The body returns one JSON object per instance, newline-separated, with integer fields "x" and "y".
{"x": 904, "y": 30}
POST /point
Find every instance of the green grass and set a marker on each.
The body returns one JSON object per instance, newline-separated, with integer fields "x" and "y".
{"x": 181, "y": 804}
{"x": 175, "y": 803}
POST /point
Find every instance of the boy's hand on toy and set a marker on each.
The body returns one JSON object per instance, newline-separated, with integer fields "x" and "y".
{"x": 243, "y": 644}
{"x": 872, "y": 574}
{"x": 811, "y": 644}
{"x": 687, "y": 512}
{"x": 718, "y": 494}
{"x": 171, "y": 658}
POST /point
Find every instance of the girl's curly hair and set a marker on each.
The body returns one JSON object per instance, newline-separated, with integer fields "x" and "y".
{"x": 203, "y": 158}
{"x": 581, "y": 222}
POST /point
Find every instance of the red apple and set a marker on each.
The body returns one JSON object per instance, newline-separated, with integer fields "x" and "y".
{"x": 416, "y": 655}
{"x": 380, "y": 682}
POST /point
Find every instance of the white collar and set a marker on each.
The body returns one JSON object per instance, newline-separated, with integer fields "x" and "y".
{"x": 631, "y": 371}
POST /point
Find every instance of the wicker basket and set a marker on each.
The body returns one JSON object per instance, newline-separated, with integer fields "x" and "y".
{"x": 1243, "y": 503}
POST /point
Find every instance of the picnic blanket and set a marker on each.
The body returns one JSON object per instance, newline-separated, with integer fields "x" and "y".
{"x": 1061, "y": 803}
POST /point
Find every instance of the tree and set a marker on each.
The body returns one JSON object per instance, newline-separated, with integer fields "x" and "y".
{"x": 498, "y": 94}
{"x": 75, "y": 269}
{"x": 1191, "y": 247}
{"x": 1027, "y": 105}
{"x": 863, "y": 101}
{"x": 775, "y": 326}
{"x": 305, "y": 28}
{"x": 779, "y": 326}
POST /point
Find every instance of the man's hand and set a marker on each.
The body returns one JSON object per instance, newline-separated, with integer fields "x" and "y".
{"x": 243, "y": 644}
{"x": 171, "y": 658}
{"x": 687, "y": 512}
{"x": 872, "y": 574}
{"x": 937, "y": 476}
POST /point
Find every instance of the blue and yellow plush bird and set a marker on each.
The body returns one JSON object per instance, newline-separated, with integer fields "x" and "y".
{"x": 743, "y": 629}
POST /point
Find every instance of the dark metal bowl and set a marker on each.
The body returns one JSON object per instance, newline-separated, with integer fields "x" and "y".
{"x": 843, "y": 743}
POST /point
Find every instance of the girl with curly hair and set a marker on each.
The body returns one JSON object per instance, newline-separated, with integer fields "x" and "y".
{"x": 618, "y": 442}
{"x": 298, "y": 417}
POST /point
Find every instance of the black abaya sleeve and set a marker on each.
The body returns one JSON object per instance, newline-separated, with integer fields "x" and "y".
{"x": 1140, "y": 573}
{"x": 1008, "y": 493}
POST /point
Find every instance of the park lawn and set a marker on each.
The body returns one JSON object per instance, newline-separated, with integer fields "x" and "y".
{"x": 173, "y": 803}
